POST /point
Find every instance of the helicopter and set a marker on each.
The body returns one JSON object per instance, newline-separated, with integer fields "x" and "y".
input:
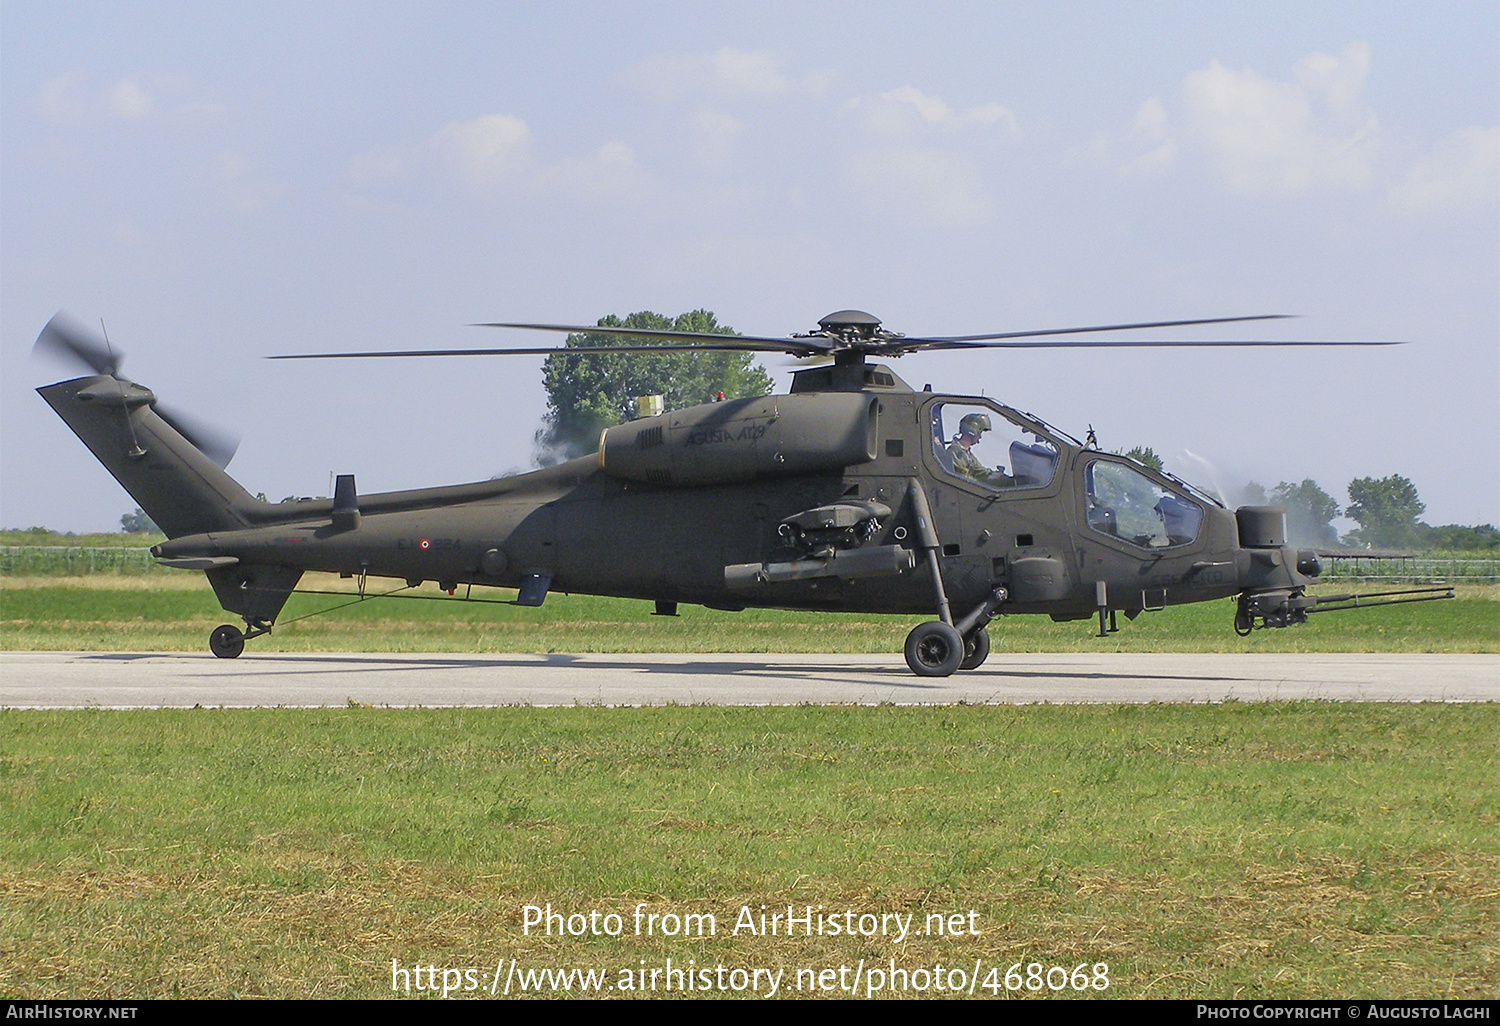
{"x": 853, "y": 492}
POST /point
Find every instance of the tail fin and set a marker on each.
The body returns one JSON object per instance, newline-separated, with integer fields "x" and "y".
{"x": 177, "y": 486}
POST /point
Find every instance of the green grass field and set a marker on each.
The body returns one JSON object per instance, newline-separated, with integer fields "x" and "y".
{"x": 175, "y": 612}
{"x": 1276, "y": 850}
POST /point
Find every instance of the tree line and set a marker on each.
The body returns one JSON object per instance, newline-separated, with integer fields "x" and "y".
{"x": 1387, "y": 509}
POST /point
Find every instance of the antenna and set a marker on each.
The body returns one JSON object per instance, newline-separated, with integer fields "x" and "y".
{"x": 135, "y": 451}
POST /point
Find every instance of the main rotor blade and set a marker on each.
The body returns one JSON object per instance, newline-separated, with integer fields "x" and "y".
{"x": 73, "y": 341}
{"x": 1111, "y": 343}
{"x": 730, "y": 345}
{"x": 804, "y": 346}
{"x": 1097, "y": 328}
{"x": 764, "y": 343}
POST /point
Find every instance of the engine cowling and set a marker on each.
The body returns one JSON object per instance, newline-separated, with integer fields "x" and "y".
{"x": 722, "y": 443}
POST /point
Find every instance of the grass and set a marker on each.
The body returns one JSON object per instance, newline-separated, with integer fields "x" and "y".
{"x": 175, "y": 612}
{"x": 102, "y": 540}
{"x": 1276, "y": 850}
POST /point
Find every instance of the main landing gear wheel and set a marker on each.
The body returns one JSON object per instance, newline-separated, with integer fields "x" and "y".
{"x": 976, "y": 649}
{"x": 226, "y": 641}
{"x": 934, "y": 649}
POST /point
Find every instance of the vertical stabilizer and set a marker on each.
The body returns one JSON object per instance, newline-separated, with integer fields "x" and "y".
{"x": 177, "y": 486}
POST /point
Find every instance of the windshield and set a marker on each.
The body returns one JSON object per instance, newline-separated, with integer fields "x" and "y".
{"x": 1123, "y": 503}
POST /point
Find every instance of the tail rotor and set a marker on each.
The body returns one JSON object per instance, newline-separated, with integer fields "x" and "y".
{"x": 71, "y": 341}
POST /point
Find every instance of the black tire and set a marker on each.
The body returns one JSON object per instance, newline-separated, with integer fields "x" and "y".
{"x": 226, "y": 641}
{"x": 934, "y": 649}
{"x": 976, "y": 650}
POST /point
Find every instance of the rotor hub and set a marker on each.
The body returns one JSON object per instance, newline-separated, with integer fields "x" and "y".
{"x": 850, "y": 324}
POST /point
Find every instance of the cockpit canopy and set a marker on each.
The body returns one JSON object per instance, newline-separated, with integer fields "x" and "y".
{"x": 983, "y": 444}
{"x": 1126, "y": 504}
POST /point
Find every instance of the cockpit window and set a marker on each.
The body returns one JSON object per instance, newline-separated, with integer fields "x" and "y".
{"x": 1125, "y": 504}
{"x": 967, "y": 437}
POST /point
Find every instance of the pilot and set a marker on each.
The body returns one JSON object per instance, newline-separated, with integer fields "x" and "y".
{"x": 965, "y": 463}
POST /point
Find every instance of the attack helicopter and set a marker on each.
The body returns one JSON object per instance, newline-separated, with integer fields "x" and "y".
{"x": 853, "y": 492}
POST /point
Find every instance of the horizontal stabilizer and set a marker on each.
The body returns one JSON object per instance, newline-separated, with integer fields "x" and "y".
{"x": 198, "y": 562}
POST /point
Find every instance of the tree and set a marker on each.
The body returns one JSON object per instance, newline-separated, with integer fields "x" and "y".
{"x": 1253, "y": 494}
{"x": 1145, "y": 456}
{"x": 1387, "y": 511}
{"x": 138, "y": 523}
{"x": 1479, "y": 538}
{"x": 586, "y": 394}
{"x": 1308, "y": 512}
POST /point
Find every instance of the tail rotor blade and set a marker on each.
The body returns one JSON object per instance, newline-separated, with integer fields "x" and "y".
{"x": 70, "y": 339}
{"x": 214, "y": 442}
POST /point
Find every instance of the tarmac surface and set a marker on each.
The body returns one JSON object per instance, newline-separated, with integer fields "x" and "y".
{"x": 141, "y": 680}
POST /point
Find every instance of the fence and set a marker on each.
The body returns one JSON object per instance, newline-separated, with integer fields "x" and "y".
{"x": 74, "y": 561}
{"x": 1411, "y": 569}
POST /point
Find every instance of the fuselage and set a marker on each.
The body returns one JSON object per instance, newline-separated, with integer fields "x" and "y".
{"x": 594, "y": 529}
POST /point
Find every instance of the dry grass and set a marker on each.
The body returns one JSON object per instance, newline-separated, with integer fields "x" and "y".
{"x": 1302, "y": 930}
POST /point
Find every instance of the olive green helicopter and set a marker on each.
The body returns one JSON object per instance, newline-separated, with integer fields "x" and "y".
{"x": 854, "y": 492}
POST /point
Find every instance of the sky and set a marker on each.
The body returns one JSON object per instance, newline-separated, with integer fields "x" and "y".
{"x": 222, "y": 182}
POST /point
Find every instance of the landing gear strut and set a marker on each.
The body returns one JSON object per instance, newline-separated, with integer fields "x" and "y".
{"x": 936, "y": 649}
{"x": 227, "y": 641}
{"x": 939, "y": 647}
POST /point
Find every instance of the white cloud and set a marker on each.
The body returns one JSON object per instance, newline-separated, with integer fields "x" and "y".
{"x": 908, "y": 109}
{"x": 241, "y": 185}
{"x": 725, "y": 73}
{"x": 170, "y": 99}
{"x": 1311, "y": 131}
{"x": 486, "y": 151}
{"x": 610, "y": 171}
{"x": 924, "y": 185}
{"x": 715, "y": 133}
{"x": 61, "y": 99}
{"x": 1151, "y": 129}
{"x": 1461, "y": 173}
{"x": 497, "y": 154}
{"x": 128, "y": 99}
{"x": 743, "y": 73}
{"x": 930, "y": 188}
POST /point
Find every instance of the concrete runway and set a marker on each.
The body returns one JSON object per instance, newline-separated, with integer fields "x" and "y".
{"x": 132, "y": 680}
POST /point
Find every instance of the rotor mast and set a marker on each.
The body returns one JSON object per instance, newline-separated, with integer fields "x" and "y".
{"x": 849, "y": 336}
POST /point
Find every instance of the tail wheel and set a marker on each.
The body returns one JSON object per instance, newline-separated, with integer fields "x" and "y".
{"x": 976, "y": 649}
{"x": 226, "y": 641}
{"x": 934, "y": 649}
